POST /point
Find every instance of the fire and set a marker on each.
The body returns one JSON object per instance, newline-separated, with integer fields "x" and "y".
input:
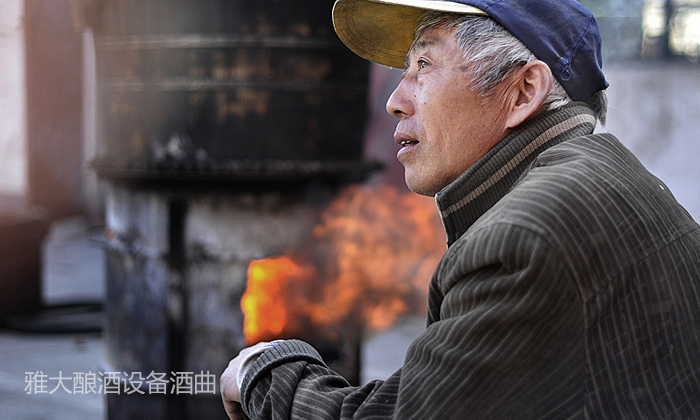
{"x": 368, "y": 262}
{"x": 268, "y": 281}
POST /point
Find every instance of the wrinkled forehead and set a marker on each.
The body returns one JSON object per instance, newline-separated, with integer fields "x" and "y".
{"x": 429, "y": 37}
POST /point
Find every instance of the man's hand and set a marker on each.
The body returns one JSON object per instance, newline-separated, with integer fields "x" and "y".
{"x": 234, "y": 410}
{"x": 232, "y": 377}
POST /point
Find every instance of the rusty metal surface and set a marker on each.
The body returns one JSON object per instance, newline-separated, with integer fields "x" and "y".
{"x": 240, "y": 171}
{"x": 154, "y": 42}
{"x": 223, "y": 88}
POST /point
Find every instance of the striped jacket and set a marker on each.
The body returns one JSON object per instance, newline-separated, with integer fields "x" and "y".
{"x": 570, "y": 289}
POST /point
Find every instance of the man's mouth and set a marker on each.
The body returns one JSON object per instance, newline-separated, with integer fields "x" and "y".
{"x": 405, "y": 143}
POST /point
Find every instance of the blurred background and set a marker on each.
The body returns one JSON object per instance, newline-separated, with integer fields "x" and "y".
{"x": 180, "y": 179}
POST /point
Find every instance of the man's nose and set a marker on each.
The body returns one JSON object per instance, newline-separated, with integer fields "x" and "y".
{"x": 398, "y": 104}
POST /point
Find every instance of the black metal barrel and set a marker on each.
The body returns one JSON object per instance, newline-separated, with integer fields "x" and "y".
{"x": 223, "y": 93}
{"x": 227, "y": 88}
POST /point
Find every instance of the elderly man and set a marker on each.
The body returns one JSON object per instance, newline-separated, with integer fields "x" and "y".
{"x": 570, "y": 288}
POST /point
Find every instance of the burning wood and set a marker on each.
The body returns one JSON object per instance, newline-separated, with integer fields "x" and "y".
{"x": 368, "y": 261}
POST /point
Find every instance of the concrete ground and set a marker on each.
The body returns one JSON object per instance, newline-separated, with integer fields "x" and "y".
{"x": 32, "y": 364}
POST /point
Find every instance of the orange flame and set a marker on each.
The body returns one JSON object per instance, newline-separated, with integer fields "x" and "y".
{"x": 368, "y": 261}
{"x": 267, "y": 282}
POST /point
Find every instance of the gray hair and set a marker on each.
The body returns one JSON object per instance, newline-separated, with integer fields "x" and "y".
{"x": 493, "y": 54}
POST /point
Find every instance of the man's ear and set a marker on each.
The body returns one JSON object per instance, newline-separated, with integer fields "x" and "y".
{"x": 528, "y": 89}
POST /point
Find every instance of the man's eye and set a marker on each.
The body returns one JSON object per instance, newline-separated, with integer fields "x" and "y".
{"x": 422, "y": 64}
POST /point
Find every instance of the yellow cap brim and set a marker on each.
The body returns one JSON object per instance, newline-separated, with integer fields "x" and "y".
{"x": 382, "y": 31}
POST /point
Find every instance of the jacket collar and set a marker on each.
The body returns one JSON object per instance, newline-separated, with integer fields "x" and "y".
{"x": 463, "y": 201}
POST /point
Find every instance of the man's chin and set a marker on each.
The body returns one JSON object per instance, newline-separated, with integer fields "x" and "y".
{"x": 420, "y": 188}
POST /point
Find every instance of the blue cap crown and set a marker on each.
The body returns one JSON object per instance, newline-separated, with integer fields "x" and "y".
{"x": 562, "y": 33}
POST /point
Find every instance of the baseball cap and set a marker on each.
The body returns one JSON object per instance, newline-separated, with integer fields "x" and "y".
{"x": 562, "y": 33}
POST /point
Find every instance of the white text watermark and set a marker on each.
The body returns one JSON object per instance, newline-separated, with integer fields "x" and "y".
{"x": 176, "y": 383}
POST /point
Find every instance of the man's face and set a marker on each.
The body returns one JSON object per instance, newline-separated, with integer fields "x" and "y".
{"x": 444, "y": 125}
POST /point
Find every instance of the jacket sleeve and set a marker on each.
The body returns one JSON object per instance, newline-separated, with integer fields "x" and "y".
{"x": 291, "y": 381}
{"x": 504, "y": 343}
